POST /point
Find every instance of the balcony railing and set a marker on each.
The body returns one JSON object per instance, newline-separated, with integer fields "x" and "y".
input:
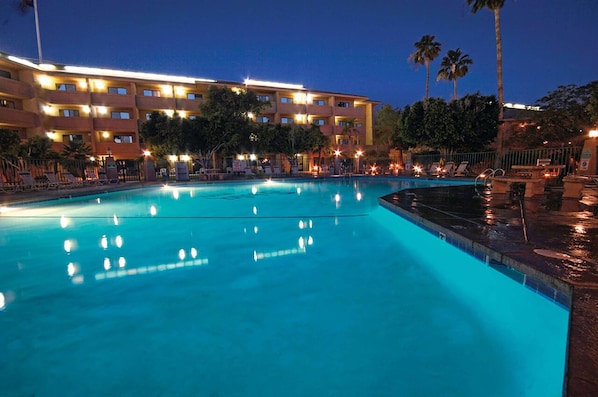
{"x": 19, "y": 118}
{"x": 16, "y": 88}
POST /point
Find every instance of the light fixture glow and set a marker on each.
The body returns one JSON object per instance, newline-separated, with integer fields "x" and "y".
{"x": 273, "y": 84}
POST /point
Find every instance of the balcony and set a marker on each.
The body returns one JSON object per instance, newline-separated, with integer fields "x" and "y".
{"x": 115, "y": 125}
{"x": 291, "y": 108}
{"x": 190, "y": 105}
{"x": 18, "y": 118}
{"x": 360, "y": 131}
{"x": 327, "y": 129}
{"x": 16, "y": 89}
{"x": 356, "y": 113}
{"x": 112, "y": 100}
{"x": 154, "y": 102}
{"x": 65, "y": 97}
{"x": 323, "y": 111}
{"x": 70, "y": 123}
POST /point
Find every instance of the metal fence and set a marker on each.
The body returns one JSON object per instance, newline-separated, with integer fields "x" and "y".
{"x": 10, "y": 168}
{"x": 480, "y": 161}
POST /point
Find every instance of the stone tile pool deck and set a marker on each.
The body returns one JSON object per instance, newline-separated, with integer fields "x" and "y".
{"x": 556, "y": 253}
{"x": 553, "y": 249}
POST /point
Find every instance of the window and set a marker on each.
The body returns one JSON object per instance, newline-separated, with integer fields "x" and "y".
{"x": 192, "y": 117}
{"x": 148, "y": 116}
{"x": 319, "y": 122}
{"x": 66, "y": 87}
{"x": 69, "y": 112}
{"x": 5, "y": 73}
{"x": 117, "y": 90}
{"x": 262, "y": 119}
{"x": 5, "y": 103}
{"x": 120, "y": 115}
{"x": 151, "y": 93}
{"x": 286, "y": 120}
{"x": 263, "y": 98}
{"x": 343, "y": 123}
{"x": 194, "y": 96}
{"x": 123, "y": 139}
{"x": 343, "y": 104}
{"x": 318, "y": 102}
{"x": 72, "y": 138}
{"x": 286, "y": 99}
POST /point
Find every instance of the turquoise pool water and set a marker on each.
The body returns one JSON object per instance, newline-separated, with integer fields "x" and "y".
{"x": 279, "y": 289}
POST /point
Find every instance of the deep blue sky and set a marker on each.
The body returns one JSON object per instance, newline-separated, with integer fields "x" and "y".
{"x": 358, "y": 47}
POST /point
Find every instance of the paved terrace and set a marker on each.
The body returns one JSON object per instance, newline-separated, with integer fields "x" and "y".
{"x": 556, "y": 253}
{"x": 554, "y": 250}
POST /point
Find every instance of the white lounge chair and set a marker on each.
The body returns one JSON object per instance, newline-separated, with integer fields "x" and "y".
{"x": 462, "y": 169}
{"x": 449, "y": 169}
{"x": 434, "y": 169}
{"x": 71, "y": 179}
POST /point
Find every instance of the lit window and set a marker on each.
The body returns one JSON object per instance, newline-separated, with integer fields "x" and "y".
{"x": 69, "y": 112}
{"x": 194, "y": 96}
{"x": 343, "y": 104}
{"x": 286, "y": 120}
{"x": 72, "y": 138}
{"x": 117, "y": 90}
{"x": 192, "y": 117}
{"x": 286, "y": 99}
{"x": 123, "y": 139}
{"x": 5, "y": 103}
{"x": 263, "y": 98}
{"x": 319, "y": 122}
{"x": 120, "y": 115}
{"x": 66, "y": 87}
{"x": 262, "y": 119}
{"x": 318, "y": 102}
{"x": 151, "y": 93}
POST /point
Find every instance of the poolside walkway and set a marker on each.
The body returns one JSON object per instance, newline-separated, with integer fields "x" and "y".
{"x": 554, "y": 247}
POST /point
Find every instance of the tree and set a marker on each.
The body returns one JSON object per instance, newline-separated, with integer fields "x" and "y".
{"x": 564, "y": 115}
{"x": 592, "y": 107}
{"x": 426, "y": 50}
{"x": 466, "y": 124}
{"x": 163, "y": 135}
{"x": 495, "y": 6}
{"x": 350, "y": 130}
{"x": 453, "y": 66}
{"x": 10, "y": 144}
{"x": 77, "y": 150}
{"x": 39, "y": 147}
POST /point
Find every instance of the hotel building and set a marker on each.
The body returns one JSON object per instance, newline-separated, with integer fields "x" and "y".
{"x": 104, "y": 108}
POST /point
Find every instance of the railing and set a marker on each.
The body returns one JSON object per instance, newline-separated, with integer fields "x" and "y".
{"x": 128, "y": 171}
{"x": 480, "y": 161}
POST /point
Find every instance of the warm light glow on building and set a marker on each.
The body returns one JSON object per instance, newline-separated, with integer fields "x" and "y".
{"x": 166, "y": 90}
{"x": 45, "y": 81}
{"x": 99, "y": 85}
{"x": 180, "y": 91}
{"x": 102, "y": 109}
{"x": 169, "y": 112}
{"x": 185, "y": 157}
{"x": 593, "y": 133}
{"x": 105, "y": 134}
{"x": 86, "y": 109}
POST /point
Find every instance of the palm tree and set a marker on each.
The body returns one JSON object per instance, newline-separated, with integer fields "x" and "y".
{"x": 454, "y": 65}
{"x": 495, "y": 6}
{"x": 24, "y": 5}
{"x": 426, "y": 50}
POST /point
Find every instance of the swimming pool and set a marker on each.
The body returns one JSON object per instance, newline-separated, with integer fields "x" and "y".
{"x": 265, "y": 289}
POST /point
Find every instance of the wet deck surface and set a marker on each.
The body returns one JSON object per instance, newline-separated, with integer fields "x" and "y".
{"x": 555, "y": 244}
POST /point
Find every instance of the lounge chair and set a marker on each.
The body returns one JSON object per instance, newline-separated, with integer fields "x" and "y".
{"x": 53, "y": 181}
{"x": 276, "y": 170}
{"x": 72, "y": 181}
{"x": 29, "y": 182}
{"x": 434, "y": 169}
{"x": 249, "y": 172}
{"x": 449, "y": 169}
{"x": 6, "y": 188}
{"x": 267, "y": 170}
{"x": 462, "y": 169}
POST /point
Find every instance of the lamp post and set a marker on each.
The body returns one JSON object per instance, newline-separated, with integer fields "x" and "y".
{"x": 336, "y": 166}
{"x": 358, "y": 155}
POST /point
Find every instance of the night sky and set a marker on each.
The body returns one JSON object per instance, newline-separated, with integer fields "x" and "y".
{"x": 356, "y": 47}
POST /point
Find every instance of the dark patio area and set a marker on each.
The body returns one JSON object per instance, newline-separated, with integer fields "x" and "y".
{"x": 547, "y": 242}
